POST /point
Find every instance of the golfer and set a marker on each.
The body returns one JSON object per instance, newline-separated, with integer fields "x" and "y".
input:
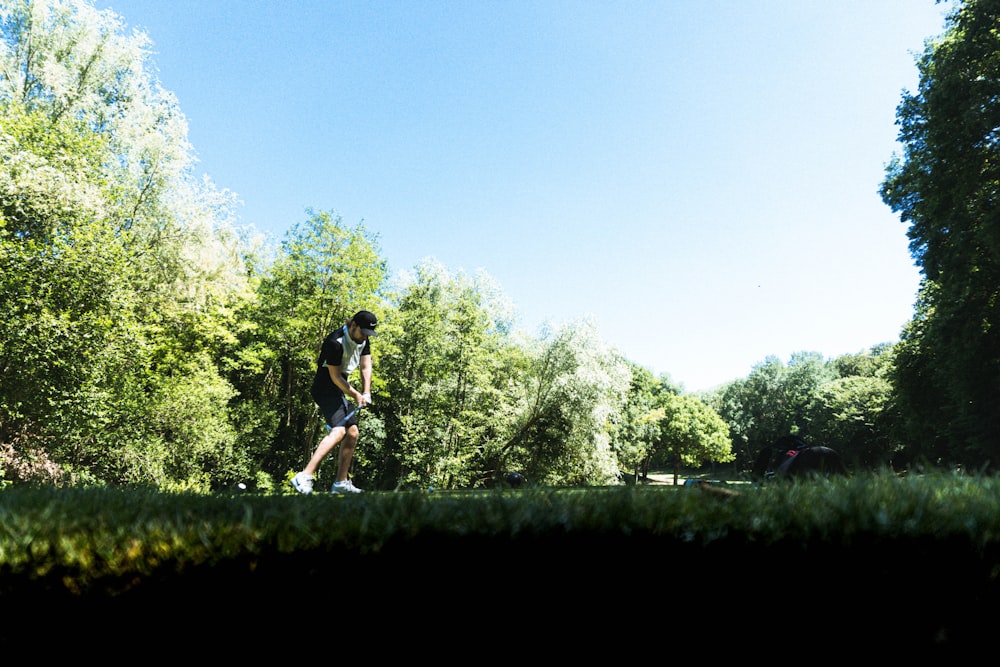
{"x": 342, "y": 352}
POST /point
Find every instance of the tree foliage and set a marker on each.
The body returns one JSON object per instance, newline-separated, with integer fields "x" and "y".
{"x": 770, "y": 402}
{"x": 844, "y": 403}
{"x": 323, "y": 273}
{"x": 577, "y": 383}
{"x": 637, "y": 428}
{"x": 447, "y": 386}
{"x": 120, "y": 266}
{"x": 150, "y": 340}
{"x": 854, "y": 413}
{"x": 691, "y": 433}
{"x": 945, "y": 188}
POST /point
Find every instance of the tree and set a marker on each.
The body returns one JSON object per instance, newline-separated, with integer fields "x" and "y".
{"x": 121, "y": 268}
{"x": 60, "y": 288}
{"x": 323, "y": 273}
{"x": 773, "y": 401}
{"x": 637, "y": 427}
{"x": 691, "y": 433}
{"x": 945, "y": 187}
{"x": 574, "y": 389}
{"x": 450, "y": 390}
{"x": 853, "y": 413}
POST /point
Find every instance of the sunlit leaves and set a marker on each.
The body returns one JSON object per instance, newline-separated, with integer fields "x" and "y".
{"x": 120, "y": 266}
{"x": 447, "y": 374}
{"x": 693, "y": 433}
{"x": 577, "y": 383}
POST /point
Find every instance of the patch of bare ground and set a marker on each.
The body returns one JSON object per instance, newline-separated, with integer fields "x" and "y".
{"x": 666, "y": 477}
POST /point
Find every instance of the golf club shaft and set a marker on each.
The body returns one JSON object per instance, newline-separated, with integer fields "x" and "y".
{"x": 348, "y": 417}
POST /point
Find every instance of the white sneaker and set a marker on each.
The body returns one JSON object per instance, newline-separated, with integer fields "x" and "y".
{"x": 303, "y": 482}
{"x": 344, "y": 487}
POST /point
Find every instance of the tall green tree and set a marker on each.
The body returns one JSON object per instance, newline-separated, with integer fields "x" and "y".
{"x": 60, "y": 288}
{"x": 637, "y": 426}
{"x": 771, "y": 402}
{"x": 323, "y": 273}
{"x": 576, "y": 387}
{"x": 121, "y": 266}
{"x": 854, "y": 413}
{"x": 691, "y": 433}
{"x": 449, "y": 385}
{"x": 944, "y": 187}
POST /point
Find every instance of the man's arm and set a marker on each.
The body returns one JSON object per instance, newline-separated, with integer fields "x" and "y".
{"x": 338, "y": 379}
{"x": 366, "y": 379}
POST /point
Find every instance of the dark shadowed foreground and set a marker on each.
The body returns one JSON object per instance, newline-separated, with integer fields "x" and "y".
{"x": 568, "y": 574}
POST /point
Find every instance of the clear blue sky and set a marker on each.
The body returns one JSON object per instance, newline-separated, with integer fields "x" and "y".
{"x": 700, "y": 178}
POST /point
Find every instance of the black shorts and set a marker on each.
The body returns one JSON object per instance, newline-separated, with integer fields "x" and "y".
{"x": 334, "y": 408}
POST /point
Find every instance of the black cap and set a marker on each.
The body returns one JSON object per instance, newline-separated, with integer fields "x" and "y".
{"x": 366, "y": 322}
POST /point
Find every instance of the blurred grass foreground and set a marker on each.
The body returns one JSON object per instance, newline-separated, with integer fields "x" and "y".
{"x": 875, "y": 560}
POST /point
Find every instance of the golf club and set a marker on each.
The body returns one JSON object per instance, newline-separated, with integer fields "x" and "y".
{"x": 348, "y": 417}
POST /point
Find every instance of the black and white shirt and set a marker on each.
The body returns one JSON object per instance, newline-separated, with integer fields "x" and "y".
{"x": 338, "y": 350}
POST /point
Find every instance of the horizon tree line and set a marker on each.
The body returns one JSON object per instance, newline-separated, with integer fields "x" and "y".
{"x": 151, "y": 340}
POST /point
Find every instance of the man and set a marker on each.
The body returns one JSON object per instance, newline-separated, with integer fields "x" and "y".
{"x": 344, "y": 350}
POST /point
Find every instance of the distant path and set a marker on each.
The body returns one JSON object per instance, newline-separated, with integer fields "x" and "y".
{"x": 661, "y": 477}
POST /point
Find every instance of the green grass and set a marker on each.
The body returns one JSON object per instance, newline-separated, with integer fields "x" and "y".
{"x": 111, "y": 532}
{"x": 915, "y": 554}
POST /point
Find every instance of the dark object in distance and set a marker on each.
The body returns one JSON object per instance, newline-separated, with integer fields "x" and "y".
{"x": 811, "y": 460}
{"x": 791, "y": 456}
{"x": 515, "y": 479}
